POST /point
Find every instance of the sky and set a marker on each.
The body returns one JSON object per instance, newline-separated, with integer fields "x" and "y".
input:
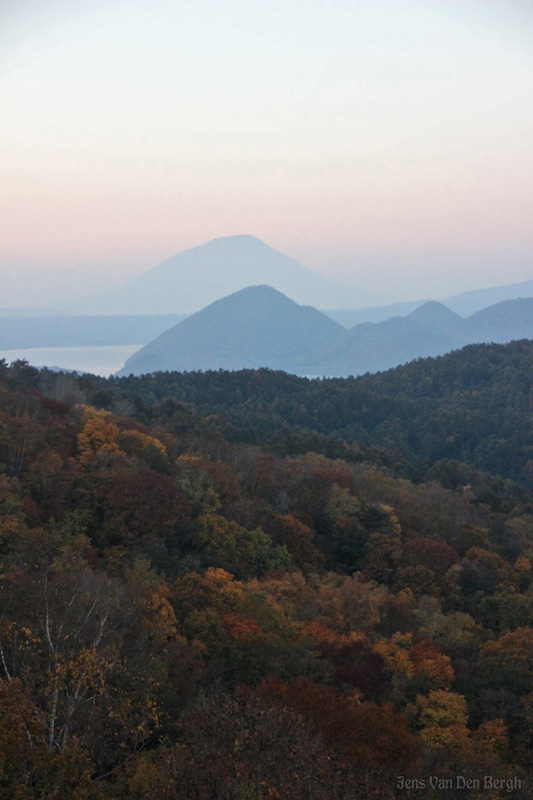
{"x": 387, "y": 143}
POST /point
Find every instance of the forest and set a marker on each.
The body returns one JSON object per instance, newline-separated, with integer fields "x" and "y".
{"x": 471, "y": 406}
{"x": 252, "y": 586}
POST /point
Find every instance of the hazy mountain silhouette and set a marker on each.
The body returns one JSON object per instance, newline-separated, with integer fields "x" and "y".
{"x": 260, "y": 327}
{"x": 502, "y": 322}
{"x": 464, "y": 304}
{"x": 255, "y": 327}
{"x": 430, "y": 330}
{"x": 191, "y": 280}
{"x": 349, "y": 317}
{"x": 435, "y": 316}
{"x": 468, "y": 303}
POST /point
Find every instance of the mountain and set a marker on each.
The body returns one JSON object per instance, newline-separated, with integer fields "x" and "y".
{"x": 430, "y": 330}
{"x": 191, "y": 280}
{"x": 436, "y": 317}
{"x": 255, "y": 327}
{"x": 260, "y": 327}
{"x": 464, "y": 304}
{"x": 502, "y": 322}
{"x": 469, "y": 302}
{"x": 349, "y": 317}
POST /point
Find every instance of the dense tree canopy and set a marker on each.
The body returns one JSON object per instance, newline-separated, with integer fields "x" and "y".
{"x": 249, "y": 585}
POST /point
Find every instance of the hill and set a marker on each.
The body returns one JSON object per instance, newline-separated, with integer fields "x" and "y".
{"x": 510, "y": 319}
{"x": 469, "y": 302}
{"x": 430, "y": 330}
{"x": 255, "y": 327}
{"x": 350, "y": 317}
{"x": 472, "y": 405}
{"x": 464, "y": 304}
{"x": 260, "y": 327}
{"x": 185, "y": 615}
{"x": 194, "y": 278}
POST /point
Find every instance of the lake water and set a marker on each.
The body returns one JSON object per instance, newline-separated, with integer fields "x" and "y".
{"x": 96, "y": 360}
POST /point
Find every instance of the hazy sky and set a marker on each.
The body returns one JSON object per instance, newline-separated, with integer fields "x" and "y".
{"x": 388, "y": 142}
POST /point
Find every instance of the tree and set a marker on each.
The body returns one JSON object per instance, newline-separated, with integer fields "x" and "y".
{"x": 232, "y": 547}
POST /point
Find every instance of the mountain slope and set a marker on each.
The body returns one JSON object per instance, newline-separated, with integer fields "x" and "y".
{"x": 194, "y": 278}
{"x": 465, "y": 304}
{"x": 473, "y": 405}
{"x": 350, "y": 317}
{"x": 255, "y": 327}
{"x": 260, "y": 327}
{"x": 430, "y": 330}
{"x": 502, "y": 322}
{"x": 468, "y": 303}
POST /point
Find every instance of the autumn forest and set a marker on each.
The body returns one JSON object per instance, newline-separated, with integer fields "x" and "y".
{"x": 252, "y": 586}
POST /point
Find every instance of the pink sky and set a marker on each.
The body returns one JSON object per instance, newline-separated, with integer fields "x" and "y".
{"x": 385, "y": 143}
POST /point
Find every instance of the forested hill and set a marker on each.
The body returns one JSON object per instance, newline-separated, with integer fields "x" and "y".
{"x": 473, "y": 405}
{"x": 185, "y": 617}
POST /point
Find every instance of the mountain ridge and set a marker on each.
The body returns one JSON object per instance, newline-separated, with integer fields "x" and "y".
{"x": 464, "y": 304}
{"x": 467, "y": 303}
{"x": 260, "y": 327}
{"x": 378, "y": 346}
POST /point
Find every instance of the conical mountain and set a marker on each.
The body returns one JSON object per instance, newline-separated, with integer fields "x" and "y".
{"x": 436, "y": 316}
{"x": 255, "y": 327}
{"x": 194, "y": 278}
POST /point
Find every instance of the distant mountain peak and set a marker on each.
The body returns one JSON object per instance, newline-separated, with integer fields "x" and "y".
{"x": 260, "y": 297}
{"x": 192, "y": 279}
{"x": 239, "y": 237}
{"x": 259, "y": 290}
{"x": 433, "y": 313}
{"x": 238, "y": 240}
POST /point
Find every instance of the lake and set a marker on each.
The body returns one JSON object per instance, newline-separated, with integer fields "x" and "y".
{"x": 103, "y": 360}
